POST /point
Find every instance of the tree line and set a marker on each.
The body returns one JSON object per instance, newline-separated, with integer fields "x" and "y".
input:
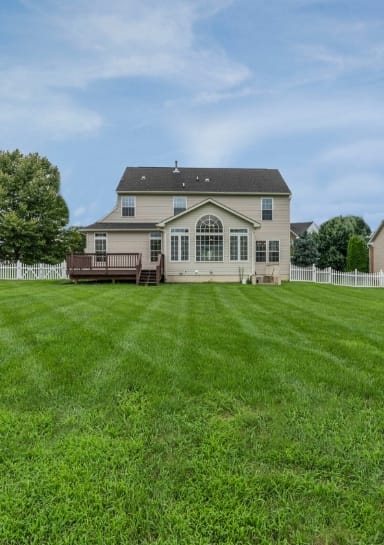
{"x": 341, "y": 243}
{"x": 33, "y": 214}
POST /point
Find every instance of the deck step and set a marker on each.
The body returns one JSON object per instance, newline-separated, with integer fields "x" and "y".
{"x": 148, "y": 277}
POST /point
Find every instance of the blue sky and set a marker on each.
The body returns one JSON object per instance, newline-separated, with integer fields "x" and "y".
{"x": 290, "y": 84}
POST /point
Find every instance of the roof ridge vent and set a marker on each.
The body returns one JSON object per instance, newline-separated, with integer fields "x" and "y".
{"x": 176, "y": 170}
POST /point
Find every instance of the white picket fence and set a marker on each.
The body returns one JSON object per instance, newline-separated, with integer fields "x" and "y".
{"x": 40, "y": 271}
{"x": 329, "y": 276}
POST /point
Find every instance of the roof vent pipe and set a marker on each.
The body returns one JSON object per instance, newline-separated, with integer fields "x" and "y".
{"x": 176, "y": 170}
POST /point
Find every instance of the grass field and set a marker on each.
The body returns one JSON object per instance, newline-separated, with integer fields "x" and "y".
{"x": 191, "y": 414}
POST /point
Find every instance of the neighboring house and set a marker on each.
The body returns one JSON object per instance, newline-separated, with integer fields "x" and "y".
{"x": 376, "y": 249}
{"x": 211, "y": 224}
{"x": 298, "y": 229}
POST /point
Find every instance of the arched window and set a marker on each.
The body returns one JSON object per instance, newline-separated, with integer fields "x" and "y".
{"x": 209, "y": 239}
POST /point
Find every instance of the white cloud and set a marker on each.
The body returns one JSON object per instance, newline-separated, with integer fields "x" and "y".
{"x": 359, "y": 152}
{"x": 88, "y": 41}
{"x": 216, "y": 137}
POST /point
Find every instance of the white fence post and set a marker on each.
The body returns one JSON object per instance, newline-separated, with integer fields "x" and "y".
{"x": 330, "y": 276}
{"x": 19, "y": 270}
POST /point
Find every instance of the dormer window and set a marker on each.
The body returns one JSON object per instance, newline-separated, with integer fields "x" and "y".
{"x": 179, "y": 205}
{"x": 128, "y": 206}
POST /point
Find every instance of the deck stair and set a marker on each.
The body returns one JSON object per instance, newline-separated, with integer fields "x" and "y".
{"x": 148, "y": 277}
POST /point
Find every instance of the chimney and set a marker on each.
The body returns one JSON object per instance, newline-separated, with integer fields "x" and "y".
{"x": 176, "y": 170}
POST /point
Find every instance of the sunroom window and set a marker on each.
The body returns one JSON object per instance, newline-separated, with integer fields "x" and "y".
{"x": 209, "y": 239}
{"x": 238, "y": 244}
{"x": 179, "y": 244}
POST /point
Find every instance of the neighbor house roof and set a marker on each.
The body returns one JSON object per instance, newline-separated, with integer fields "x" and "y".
{"x": 202, "y": 180}
{"x": 119, "y": 226}
{"x": 300, "y": 227}
{"x": 375, "y": 233}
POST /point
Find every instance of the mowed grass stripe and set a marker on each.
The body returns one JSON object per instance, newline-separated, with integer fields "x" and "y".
{"x": 190, "y": 414}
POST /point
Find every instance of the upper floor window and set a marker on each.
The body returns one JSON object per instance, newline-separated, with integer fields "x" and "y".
{"x": 209, "y": 239}
{"x": 128, "y": 206}
{"x": 238, "y": 245}
{"x": 266, "y": 208}
{"x": 179, "y": 205}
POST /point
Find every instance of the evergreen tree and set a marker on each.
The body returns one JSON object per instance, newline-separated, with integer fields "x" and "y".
{"x": 305, "y": 251}
{"x": 357, "y": 254}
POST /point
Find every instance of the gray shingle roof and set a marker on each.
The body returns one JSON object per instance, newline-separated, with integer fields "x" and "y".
{"x": 203, "y": 180}
{"x": 300, "y": 228}
{"x": 119, "y": 226}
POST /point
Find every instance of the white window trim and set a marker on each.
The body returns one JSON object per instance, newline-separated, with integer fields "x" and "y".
{"x": 179, "y": 235}
{"x": 222, "y": 233}
{"x": 134, "y": 206}
{"x": 238, "y": 235}
{"x": 269, "y": 262}
{"x": 272, "y": 208}
{"x": 106, "y": 241}
{"x": 157, "y": 237}
{"x": 179, "y": 197}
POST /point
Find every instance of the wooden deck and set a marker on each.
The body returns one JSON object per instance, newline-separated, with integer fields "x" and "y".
{"x": 127, "y": 267}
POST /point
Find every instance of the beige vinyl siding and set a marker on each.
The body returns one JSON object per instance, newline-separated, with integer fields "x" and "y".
{"x": 154, "y": 208}
{"x": 276, "y": 229}
{"x": 378, "y": 252}
{"x": 228, "y": 270}
{"x": 123, "y": 242}
{"x": 209, "y": 269}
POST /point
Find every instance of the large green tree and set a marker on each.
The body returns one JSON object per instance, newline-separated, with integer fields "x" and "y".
{"x": 334, "y": 236}
{"x": 33, "y": 214}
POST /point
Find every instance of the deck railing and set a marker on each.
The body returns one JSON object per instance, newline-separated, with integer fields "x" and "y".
{"x": 102, "y": 262}
{"x": 159, "y": 268}
{"x": 138, "y": 269}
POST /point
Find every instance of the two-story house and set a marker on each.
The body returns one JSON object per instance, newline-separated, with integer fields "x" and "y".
{"x": 376, "y": 249}
{"x": 209, "y": 224}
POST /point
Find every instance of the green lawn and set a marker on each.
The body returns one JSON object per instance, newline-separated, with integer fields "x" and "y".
{"x": 191, "y": 414}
